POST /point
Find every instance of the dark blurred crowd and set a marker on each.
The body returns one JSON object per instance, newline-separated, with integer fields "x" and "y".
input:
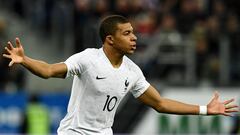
{"x": 10, "y": 79}
{"x": 181, "y": 42}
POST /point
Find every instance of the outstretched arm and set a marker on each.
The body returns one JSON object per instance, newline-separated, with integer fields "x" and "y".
{"x": 163, "y": 105}
{"x": 39, "y": 68}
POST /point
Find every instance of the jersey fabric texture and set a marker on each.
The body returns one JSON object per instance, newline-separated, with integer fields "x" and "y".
{"x": 97, "y": 90}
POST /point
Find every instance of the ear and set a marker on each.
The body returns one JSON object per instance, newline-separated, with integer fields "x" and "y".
{"x": 109, "y": 39}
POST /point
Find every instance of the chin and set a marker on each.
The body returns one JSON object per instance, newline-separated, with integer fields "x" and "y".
{"x": 130, "y": 52}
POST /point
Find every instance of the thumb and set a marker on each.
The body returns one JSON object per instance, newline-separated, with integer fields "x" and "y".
{"x": 11, "y": 63}
{"x": 216, "y": 95}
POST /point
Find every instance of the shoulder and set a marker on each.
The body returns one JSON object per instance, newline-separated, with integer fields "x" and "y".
{"x": 83, "y": 57}
{"x": 82, "y": 61}
{"x": 87, "y": 53}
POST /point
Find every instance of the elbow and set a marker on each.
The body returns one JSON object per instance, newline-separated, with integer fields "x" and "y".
{"x": 160, "y": 108}
{"x": 47, "y": 74}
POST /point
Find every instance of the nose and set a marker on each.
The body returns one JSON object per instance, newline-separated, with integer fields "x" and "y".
{"x": 134, "y": 37}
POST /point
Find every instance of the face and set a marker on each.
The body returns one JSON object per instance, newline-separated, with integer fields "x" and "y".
{"x": 124, "y": 39}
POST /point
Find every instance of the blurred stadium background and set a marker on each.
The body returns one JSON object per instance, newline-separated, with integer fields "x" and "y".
{"x": 186, "y": 48}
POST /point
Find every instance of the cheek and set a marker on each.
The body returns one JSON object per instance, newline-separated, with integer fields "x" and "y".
{"x": 122, "y": 42}
{"x": 122, "y": 45}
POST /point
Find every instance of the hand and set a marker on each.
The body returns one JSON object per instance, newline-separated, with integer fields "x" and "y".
{"x": 15, "y": 54}
{"x": 215, "y": 107}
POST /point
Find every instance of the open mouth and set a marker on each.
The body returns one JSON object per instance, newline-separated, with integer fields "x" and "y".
{"x": 134, "y": 47}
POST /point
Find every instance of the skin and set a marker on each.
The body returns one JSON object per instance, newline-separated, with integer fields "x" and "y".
{"x": 115, "y": 47}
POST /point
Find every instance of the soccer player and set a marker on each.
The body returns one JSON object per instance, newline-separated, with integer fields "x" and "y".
{"x": 102, "y": 77}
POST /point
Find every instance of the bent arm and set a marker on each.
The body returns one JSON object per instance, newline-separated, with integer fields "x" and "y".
{"x": 152, "y": 98}
{"x": 43, "y": 69}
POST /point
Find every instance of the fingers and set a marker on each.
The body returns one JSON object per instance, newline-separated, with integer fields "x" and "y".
{"x": 7, "y": 56}
{"x": 10, "y": 46}
{"x": 228, "y": 114}
{"x": 11, "y": 63}
{"x": 228, "y": 101}
{"x": 231, "y": 106}
{"x": 9, "y": 51}
{"x": 232, "y": 110}
{"x": 18, "y": 43}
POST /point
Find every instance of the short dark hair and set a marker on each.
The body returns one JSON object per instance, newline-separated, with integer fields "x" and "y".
{"x": 108, "y": 25}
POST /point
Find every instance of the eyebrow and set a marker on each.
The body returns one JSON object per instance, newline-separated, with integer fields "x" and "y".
{"x": 128, "y": 30}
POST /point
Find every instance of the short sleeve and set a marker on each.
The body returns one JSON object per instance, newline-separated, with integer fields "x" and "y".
{"x": 141, "y": 84}
{"x": 77, "y": 63}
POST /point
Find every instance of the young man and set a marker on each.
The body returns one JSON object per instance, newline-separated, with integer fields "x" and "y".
{"x": 102, "y": 77}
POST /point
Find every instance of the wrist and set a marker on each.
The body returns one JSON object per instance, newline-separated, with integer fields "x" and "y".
{"x": 203, "y": 110}
{"x": 24, "y": 59}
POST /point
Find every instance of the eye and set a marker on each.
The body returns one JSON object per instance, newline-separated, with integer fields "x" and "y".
{"x": 126, "y": 32}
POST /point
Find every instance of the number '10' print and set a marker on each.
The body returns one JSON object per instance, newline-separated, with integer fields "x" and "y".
{"x": 108, "y": 101}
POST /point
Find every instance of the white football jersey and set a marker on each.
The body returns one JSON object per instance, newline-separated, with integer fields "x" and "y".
{"x": 97, "y": 90}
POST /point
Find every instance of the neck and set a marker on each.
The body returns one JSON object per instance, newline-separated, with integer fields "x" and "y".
{"x": 114, "y": 56}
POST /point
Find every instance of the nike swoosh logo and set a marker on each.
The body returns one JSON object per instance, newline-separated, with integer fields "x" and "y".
{"x": 99, "y": 78}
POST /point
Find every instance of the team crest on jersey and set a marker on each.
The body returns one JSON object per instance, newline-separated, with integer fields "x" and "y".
{"x": 126, "y": 84}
